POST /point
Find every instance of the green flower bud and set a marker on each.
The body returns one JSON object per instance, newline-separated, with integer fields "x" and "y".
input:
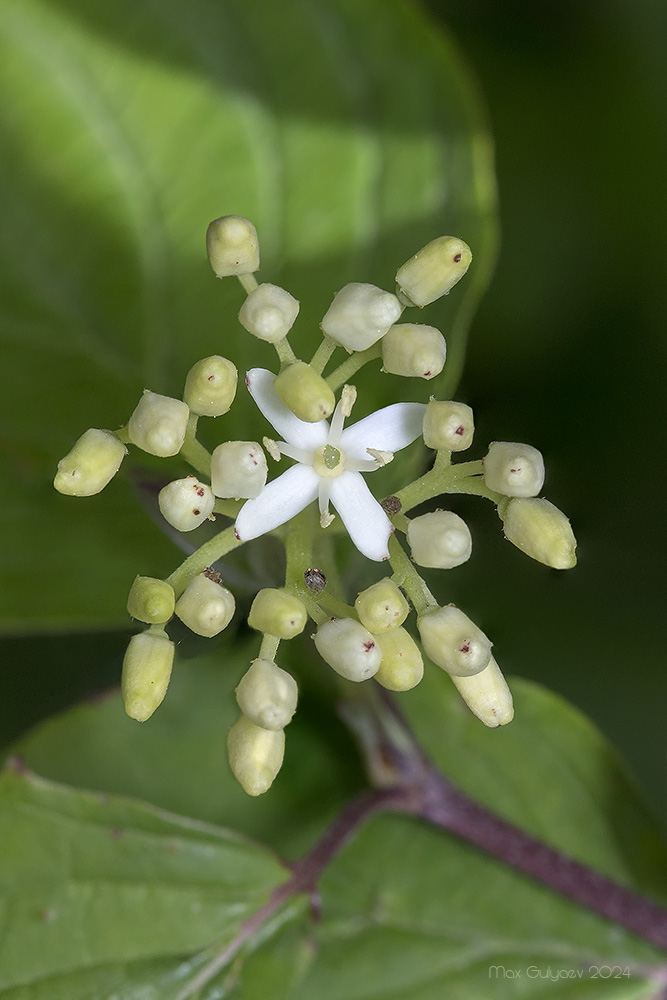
{"x": 305, "y": 392}
{"x": 186, "y": 503}
{"x": 540, "y": 530}
{"x": 349, "y": 648}
{"x": 401, "y": 667}
{"x": 440, "y": 540}
{"x": 277, "y": 613}
{"x": 448, "y": 425}
{"x": 90, "y": 465}
{"x": 232, "y": 246}
{"x": 238, "y": 469}
{"x": 381, "y": 607}
{"x": 210, "y": 386}
{"x": 267, "y": 695}
{"x": 255, "y": 755}
{"x": 433, "y": 271}
{"x": 413, "y": 349}
{"x": 146, "y": 672}
{"x": 151, "y": 600}
{"x": 269, "y": 312}
{"x": 517, "y": 470}
{"x": 359, "y": 315}
{"x": 487, "y": 695}
{"x": 205, "y": 606}
{"x": 158, "y": 424}
{"x": 453, "y": 642}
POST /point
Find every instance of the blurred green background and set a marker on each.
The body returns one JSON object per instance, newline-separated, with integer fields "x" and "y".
{"x": 566, "y": 352}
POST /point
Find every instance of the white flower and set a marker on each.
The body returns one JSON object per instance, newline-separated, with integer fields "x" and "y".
{"x": 330, "y": 462}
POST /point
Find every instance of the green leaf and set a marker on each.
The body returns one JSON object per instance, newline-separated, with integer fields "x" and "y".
{"x": 350, "y": 133}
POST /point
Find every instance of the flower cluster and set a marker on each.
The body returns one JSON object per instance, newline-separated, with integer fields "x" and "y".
{"x": 366, "y": 639}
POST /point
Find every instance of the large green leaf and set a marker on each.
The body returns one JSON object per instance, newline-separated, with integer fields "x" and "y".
{"x": 349, "y": 132}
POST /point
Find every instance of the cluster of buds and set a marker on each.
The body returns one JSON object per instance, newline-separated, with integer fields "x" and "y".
{"x": 369, "y": 638}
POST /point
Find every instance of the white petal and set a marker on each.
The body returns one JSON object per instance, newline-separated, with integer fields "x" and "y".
{"x": 389, "y": 429}
{"x": 280, "y": 500}
{"x": 368, "y": 525}
{"x": 295, "y": 431}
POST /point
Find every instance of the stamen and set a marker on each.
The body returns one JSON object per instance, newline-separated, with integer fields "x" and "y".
{"x": 381, "y": 457}
{"x": 272, "y": 447}
{"x": 347, "y": 398}
{"x": 293, "y": 451}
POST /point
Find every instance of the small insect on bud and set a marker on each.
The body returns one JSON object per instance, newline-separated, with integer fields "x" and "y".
{"x": 206, "y": 607}
{"x": 232, "y": 246}
{"x": 433, "y": 271}
{"x": 448, "y": 425}
{"x": 453, "y": 642}
{"x": 440, "y": 540}
{"x": 349, "y": 648}
{"x": 413, "y": 349}
{"x": 238, "y": 469}
{"x": 516, "y": 470}
{"x": 540, "y": 530}
{"x": 487, "y": 695}
{"x": 150, "y": 600}
{"x": 158, "y": 424}
{"x": 90, "y": 465}
{"x": 269, "y": 312}
{"x": 315, "y": 580}
{"x": 381, "y": 607}
{"x": 267, "y": 695}
{"x": 210, "y": 386}
{"x": 186, "y": 503}
{"x": 305, "y": 392}
{"x": 277, "y": 613}
{"x": 359, "y": 315}
{"x": 255, "y": 755}
{"x": 401, "y": 667}
{"x": 146, "y": 672}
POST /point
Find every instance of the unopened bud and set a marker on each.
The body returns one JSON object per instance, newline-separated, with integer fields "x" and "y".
{"x": 349, "y": 648}
{"x": 540, "y": 530}
{"x": 186, "y": 503}
{"x": 487, "y": 695}
{"x": 158, "y": 424}
{"x": 232, "y": 246}
{"x": 305, "y": 392}
{"x": 277, "y": 613}
{"x": 440, "y": 540}
{"x": 453, "y": 642}
{"x": 151, "y": 600}
{"x": 269, "y": 312}
{"x": 210, "y": 386}
{"x": 206, "y": 607}
{"x": 448, "y": 425}
{"x": 359, "y": 315}
{"x": 401, "y": 667}
{"x": 90, "y": 465}
{"x": 516, "y": 470}
{"x": 255, "y": 755}
{"x": 267, "y": 695}
{"x": 433, "y": 271}
{"x": 238, "y": 469}
{"x": 146, "y": 672}
{"x": 381, "y": 607}
{"x": 413, "y": 349}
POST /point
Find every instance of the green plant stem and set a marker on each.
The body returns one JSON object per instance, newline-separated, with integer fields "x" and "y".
{"x": 193, "y": 451}
{"x": 463, "y": 477}
{"x": 248, "y": 281}
{"x": 269, "y": 647}
{"x": 229, "y": 508}
{"x": 407, "y": 577}
{"x": 217, "y": 547}
{"x": 298, "y": 538}
{"x": 286, "y": 355}
{"x": 123, "y": 434}
{"x": 347, "y": 369}
{"x": 322, "y": 354}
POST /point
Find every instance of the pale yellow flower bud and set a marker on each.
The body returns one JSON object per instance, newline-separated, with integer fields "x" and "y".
{"x": 151, "y": 600}
{"x": 267, "y": 695}
{"x": 448, "y": 425}
{"x": 238, "y": 469}
{"x": 158, "y": 424}
{"x": 401, "y": 667}
{"x": 440, "y": 540}
{"x": 277, "y": 613}
{"x": 359, "y": 315}
{"x": 255, "y": 755}
{"x": 540, "y": 530}
{"x": 453, "y": 642}
{"x": 433, "y": 271}
{"x": 381, "y": 607}
{"x": 186, "y": 503}
{"x": 146, "y": 672}
{"x": 517, "y": 470}
{"x": 487, "y": 695}
{"x": 205, "y": 606}
{"x": 413, "y": 349}
{"x": 349, "y": 648}
{"x": 232, "y": 246}
{"x": 269, "y": 312}
{"x": 90, "y": 465}
{"x": 210, "y": 386}
{"x": 305, "y": 392}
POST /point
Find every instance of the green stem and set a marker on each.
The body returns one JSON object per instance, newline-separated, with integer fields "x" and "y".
{"x": 285, "y": 353}
{"x": 123, "y": 434}
{"x": 248, "y": 281}
{"x": 322, "y": 354}
{"x": 336, "y": 608}
{"x": 299, "y": 552}
{"x": 217, "y": 547}
{"x": 229, "y": 508}
{"x": 347, "y": 369}
{"x": 427, "y": 486}
{"x": 193, "y": 451}
{"x": 269, "y": 647}
{"x": 407, "y": 577}
{"x": 464, "y": 477}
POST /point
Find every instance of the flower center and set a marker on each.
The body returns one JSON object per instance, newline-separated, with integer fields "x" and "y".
{"x": 328, "y": 461}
